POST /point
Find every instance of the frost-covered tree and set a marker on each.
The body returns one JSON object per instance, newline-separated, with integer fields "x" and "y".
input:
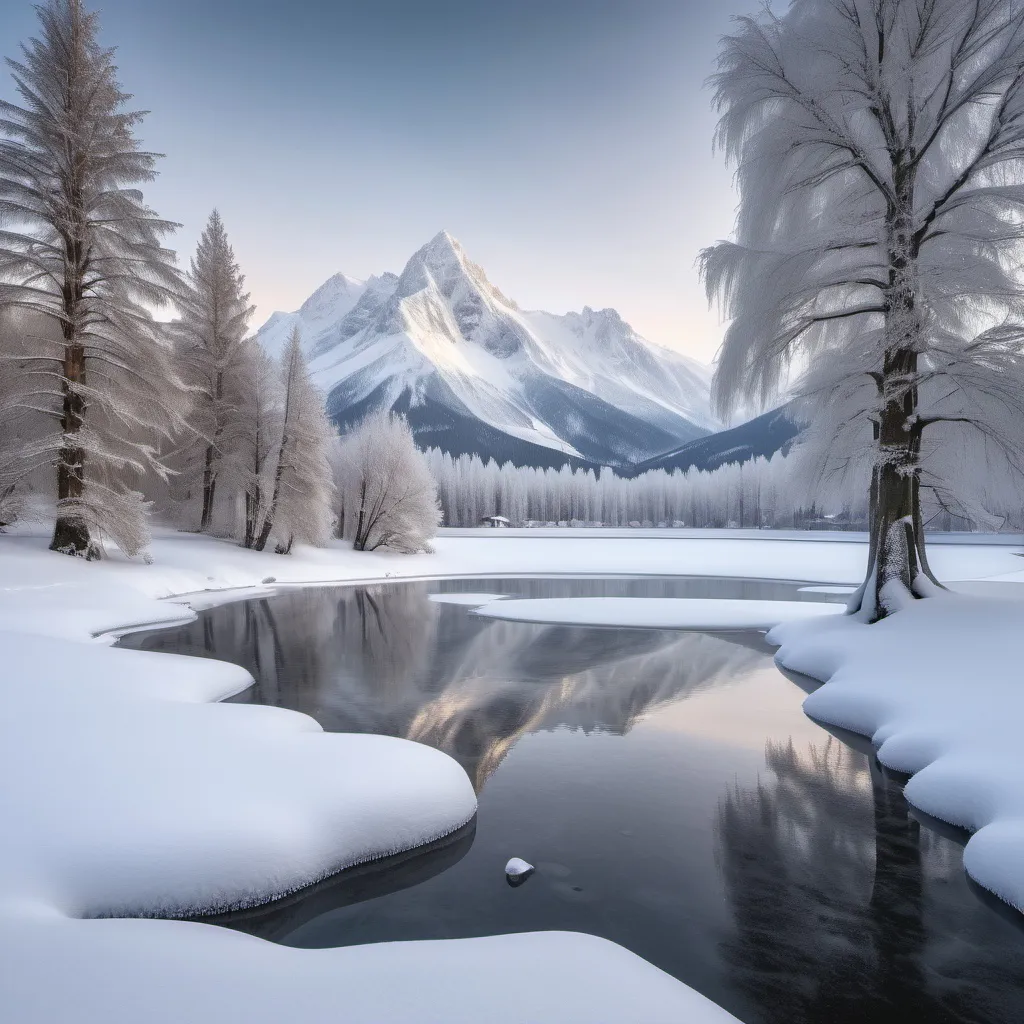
{"x": 23, "y": 450}
{"x": 212, "y": 355}
{"x": 259, "y": 440}
{"x": 302, "y": 495}
{"x": 80, "y": 248}
{"x": 387, "y": 496}
{"x": 880, "y": 150}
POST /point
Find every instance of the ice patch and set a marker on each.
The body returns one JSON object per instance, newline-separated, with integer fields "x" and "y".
{"x": 657, "y": 612}
{"x": 470, "y": 600}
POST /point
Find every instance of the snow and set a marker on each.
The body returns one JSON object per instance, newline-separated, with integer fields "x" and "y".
{"x": 937, "y": 689}
{"x": 125, "y": 790}
{"x": 223, "y": 805}
{"x": 517, "y": 867}
{"x": 470, "y": 600}
{"x": 441, "y": 328}
{"x": 317, "y": 316}
{"x": 125, "y": 972}
{"x": 657, "y": 612}
{"x": 828, "y": 590}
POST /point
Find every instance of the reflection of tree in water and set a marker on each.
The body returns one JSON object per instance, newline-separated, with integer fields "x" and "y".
{"x": 825, "y": 871}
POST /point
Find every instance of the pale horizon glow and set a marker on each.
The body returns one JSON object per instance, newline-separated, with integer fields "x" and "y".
{"x": 567, "y": 144}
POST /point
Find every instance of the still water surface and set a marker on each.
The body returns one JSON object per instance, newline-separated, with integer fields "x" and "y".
{"x": 667, "y": 786}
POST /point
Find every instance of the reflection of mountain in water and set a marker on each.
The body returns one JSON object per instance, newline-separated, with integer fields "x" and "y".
{"x": 842, "y": 905}
{"x": 386, "y": 660}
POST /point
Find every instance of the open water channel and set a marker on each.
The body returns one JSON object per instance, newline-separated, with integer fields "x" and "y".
{"x": 667, "y": 786}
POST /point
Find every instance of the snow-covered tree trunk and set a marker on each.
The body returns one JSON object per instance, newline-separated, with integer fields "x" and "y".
{"x": 897, "y": 559}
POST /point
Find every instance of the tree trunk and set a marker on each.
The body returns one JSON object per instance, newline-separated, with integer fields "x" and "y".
{"x": 253, "y": 500}
{"x": 209, "y": 490}
{"x": 268, "y": 519}
{"x": 897, "y": 564}
{"x": 70, "y": 532}
{"x": 359, "y": 542}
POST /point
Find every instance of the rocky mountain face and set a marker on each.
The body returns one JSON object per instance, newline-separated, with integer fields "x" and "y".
{"x": 476, "y": 374}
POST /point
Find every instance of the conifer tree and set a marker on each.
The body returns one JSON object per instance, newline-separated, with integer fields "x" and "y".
{"x": 212, "y": 356}
{"x": 81, "y": 249}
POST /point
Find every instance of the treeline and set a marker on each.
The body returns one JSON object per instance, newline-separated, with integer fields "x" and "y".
{"x": 761, "y": 493}
{"x": 755, "y": 493}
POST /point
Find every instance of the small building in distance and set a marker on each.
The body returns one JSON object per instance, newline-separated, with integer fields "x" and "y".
{"x": 495, "y": 521}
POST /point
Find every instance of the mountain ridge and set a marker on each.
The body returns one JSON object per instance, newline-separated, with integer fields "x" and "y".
{"x": 475, "y": 373}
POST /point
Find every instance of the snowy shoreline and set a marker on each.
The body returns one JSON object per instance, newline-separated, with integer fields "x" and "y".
{"x": 131, "y": 792}
{"x": 206, "y": 813}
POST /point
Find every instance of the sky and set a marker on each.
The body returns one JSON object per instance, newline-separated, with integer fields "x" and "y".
{"x": 567, "y": 144}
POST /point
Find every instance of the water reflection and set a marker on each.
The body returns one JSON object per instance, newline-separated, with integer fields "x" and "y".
{"x": 276, "y": 921}
{"x": 842, "y": 902}
{"x": 667, "y": 786}
{"x": 384, "y": 659}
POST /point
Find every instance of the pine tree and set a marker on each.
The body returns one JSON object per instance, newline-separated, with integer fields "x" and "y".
{"x": 84, "y": 251}
{"x": 212, "y": 357}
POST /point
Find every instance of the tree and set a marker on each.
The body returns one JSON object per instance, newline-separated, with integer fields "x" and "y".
{"x": 302, "y": 496}
{"x": 879, "y": 146}
{"x": 212, "y": 355}
{"x": 387, "y": 496}
{"x": 260, "y": 435}
{"x": 21, "y": 453}
{"x": 82, "y": 250}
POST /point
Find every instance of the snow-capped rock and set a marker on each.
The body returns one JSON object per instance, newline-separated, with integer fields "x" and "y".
{"x": 518, "y": 871}
{"x": 475, "y": 373}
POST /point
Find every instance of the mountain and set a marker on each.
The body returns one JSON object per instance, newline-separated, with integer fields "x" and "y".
{"x": 474, "y": 373}
{"x": 763, "y": 436}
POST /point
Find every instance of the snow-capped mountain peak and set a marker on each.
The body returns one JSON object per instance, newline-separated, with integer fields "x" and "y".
{"x": 475, "y": 373}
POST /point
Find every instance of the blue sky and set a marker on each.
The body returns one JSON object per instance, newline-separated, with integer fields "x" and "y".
{"x": 566, "y": 143}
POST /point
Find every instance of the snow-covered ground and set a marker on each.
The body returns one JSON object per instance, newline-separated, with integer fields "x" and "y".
{"x": 939, "y": 689}
{"x": 656, "y": 612}
{"x": 123, "y": 789}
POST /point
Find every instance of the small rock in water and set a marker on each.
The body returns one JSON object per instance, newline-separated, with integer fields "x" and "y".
{"x": 517, "y": 871}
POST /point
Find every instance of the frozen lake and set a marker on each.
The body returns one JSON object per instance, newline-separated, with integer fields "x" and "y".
{"x": 666, "y": 785}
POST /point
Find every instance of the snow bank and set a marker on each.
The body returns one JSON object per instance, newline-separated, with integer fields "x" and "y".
{"x": 657, "y": 612}
{"x": 124, "y": 790}
{"x": 828, "y": 590}
{"x": 117, "y": 593}
{"x": 938, "y": 689}
{"x": 469, "y": 600}
{"x": 172, "y": 972}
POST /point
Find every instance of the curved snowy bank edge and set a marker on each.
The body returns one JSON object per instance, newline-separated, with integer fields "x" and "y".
{"x": 937, "y": 689}
{"x": 654, "y": 612}
{"x": 129, "y": 793}
{"x": 126, "y": 791}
